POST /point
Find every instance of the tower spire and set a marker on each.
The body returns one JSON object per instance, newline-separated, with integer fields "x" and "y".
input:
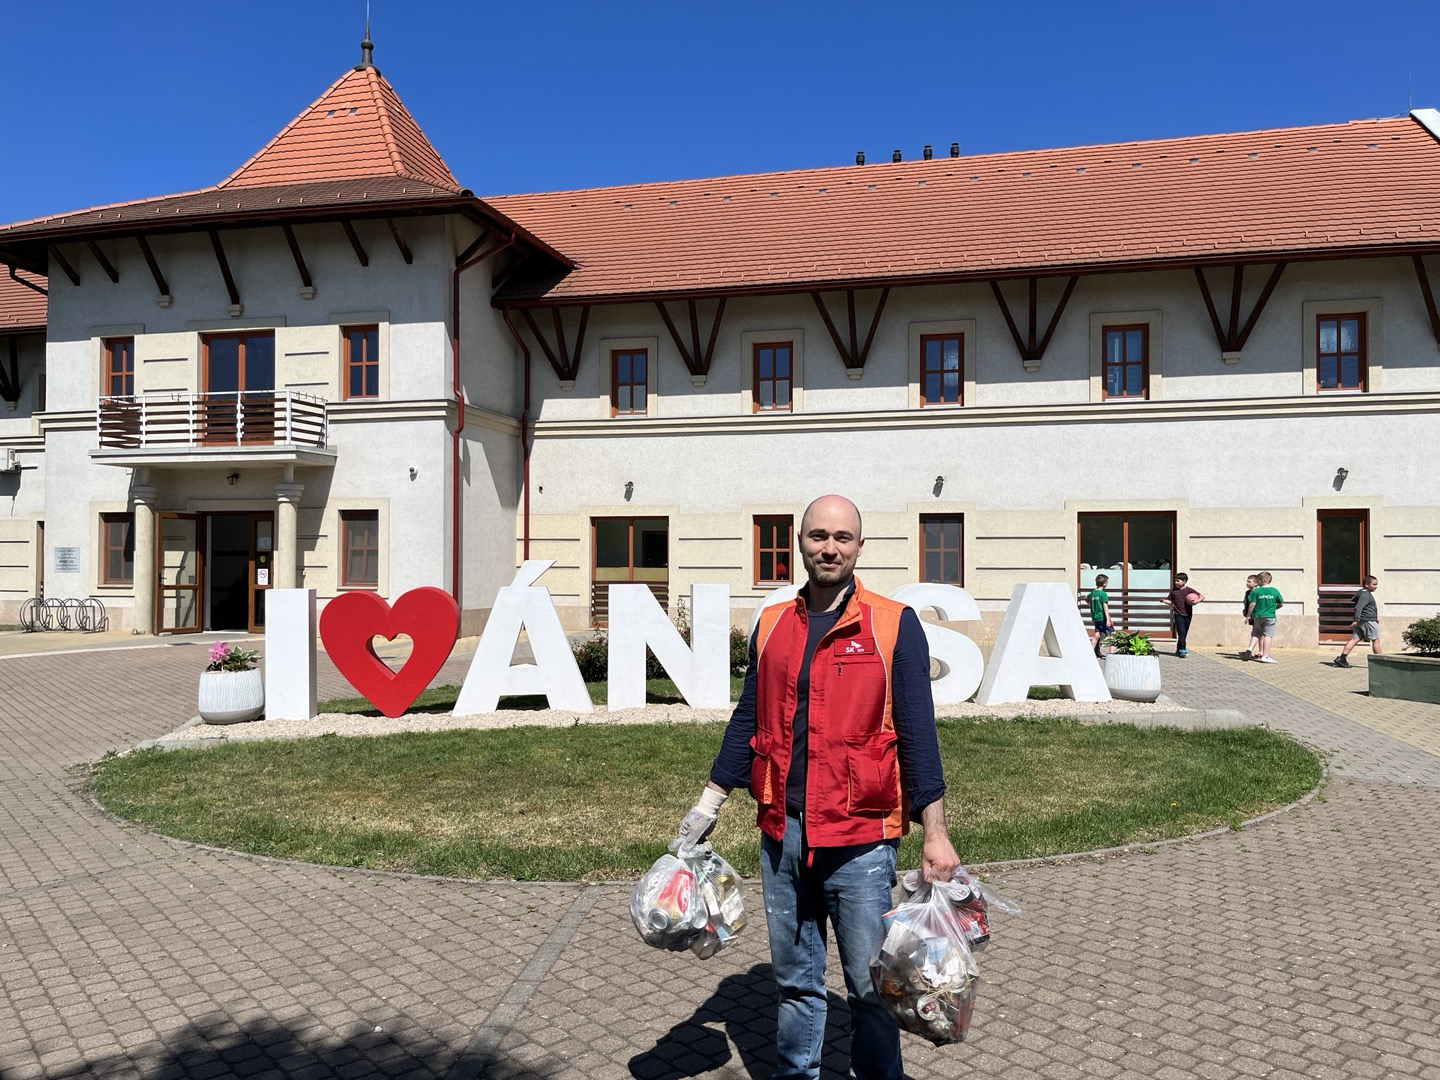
{"x": 367, "y": 47}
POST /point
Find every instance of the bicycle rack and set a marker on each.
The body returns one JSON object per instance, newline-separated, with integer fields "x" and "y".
{"x": 71, "y": 613}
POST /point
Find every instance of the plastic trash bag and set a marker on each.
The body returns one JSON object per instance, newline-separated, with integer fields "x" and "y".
{"x": 925, "y": 972}
{"x": 972, "y": 900}
{"x": 694, "y": 903}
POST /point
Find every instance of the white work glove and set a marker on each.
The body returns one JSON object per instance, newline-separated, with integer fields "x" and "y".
{"x": 698, "y": 822}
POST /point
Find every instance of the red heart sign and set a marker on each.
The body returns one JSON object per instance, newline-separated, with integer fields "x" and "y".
{"x": 351, "y": 621}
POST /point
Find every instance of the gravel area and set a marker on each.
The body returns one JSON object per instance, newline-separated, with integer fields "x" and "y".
{"x": 353, "y": 724}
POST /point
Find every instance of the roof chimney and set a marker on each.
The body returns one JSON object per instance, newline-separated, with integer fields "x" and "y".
{"x": 929, "y": 152}
{"x": 954, "y": 149}
{"x": 895, "y": 155}
{"x": 859, "y": 157}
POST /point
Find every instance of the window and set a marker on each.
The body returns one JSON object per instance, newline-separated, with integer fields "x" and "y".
{"x": 360, "y": 549}
{"x": 362, "y": 361}
{"x": 942, "y": 548}
{"x": 1340, "y": 352}
{"x": 120, "y": 367}
{"x": 1127, "y": 361}
{"x": 239, "y": 385}
{"x": 117, "y": 549}
{"x": 942, "y": 369}
{"x": 774, "y": 548}
{"x": 773, "y": 375}
{"x": 628, "y": 382}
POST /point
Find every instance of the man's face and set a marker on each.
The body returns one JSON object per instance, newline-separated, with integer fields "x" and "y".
{"x": 830, "y": 540}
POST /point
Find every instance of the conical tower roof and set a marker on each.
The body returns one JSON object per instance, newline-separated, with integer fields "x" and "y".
{"x": 356, "y": 129}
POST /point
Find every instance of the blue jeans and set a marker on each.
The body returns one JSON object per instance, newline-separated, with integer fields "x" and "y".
{"x": 1182, "y": 629}
{"x": 849, "y": 887}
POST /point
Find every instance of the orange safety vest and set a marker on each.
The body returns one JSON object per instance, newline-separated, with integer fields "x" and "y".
{"x": 853, "y": 792}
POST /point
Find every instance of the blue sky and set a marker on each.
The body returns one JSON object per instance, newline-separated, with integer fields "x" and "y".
{"x": 106, "y": 102}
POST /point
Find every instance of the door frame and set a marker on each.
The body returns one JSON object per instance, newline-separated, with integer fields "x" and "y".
{"x": 253, "y": 563}
{"x": 200, "y": 587}
{"x": 1136, "y": 609}
{"x": 1327, "y": 594}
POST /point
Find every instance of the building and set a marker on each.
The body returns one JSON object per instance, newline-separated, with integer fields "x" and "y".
{"x": 341, "y": 369}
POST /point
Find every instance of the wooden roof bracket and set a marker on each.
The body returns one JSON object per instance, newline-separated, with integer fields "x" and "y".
{"x": 1425, "y": 290}
{"x": 57, "y": 256}
{"x": 566, "y": 364}
{"x": 855, "y": 355}
{"x": 1032, "y": 351}
{"x": 10, "y": 381}
{"x": 28, "y": 284}
{"x": 475, "y": 245}
{"x": 105, "y": 264}
{"x": 236, "y": 308}
{"x": 400, "y": 241}
{"x": 307, "y": 285}
{"x": 1232, "y": 338}
{"x": 355, "y": 243}
{"x": 163, "y": 288}
{"x": 697, "y": 360}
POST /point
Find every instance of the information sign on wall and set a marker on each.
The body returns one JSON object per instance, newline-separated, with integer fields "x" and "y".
{"x": 67, "y": 560}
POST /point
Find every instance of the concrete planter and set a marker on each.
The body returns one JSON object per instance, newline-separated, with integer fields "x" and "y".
{"x": 1411, "y": 678}
{"x": 231, "y": 697}
{"x": 1132, "y": 678}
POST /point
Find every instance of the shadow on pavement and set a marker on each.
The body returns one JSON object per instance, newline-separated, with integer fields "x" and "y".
{"x": 744, "y": 1004}
{"x": 216, "y": 1047}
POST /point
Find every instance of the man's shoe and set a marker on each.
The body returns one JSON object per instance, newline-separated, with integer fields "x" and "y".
{"x": 1340, "y": 661}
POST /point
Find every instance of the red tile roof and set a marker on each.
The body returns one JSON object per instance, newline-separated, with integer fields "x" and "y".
{"x": 357, "y": 128}
{"x": 22, "y": 309}
{"x": 1351, "y": 188}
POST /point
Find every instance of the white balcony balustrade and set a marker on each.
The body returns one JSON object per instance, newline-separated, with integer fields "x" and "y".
{"x": 246, "y": 418}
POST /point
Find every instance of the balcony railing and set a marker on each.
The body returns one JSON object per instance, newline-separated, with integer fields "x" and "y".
{"x": 232, "y": 418}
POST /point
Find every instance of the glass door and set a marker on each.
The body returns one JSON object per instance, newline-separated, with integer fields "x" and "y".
{"x": 628, "y": 549}
{"x": 262, "y": 566}
{"x": 1137, "y": 553}
{"x": 1342, "y": 542}
{"x": 180, "y": 573}
{"x": 240, "y": 388}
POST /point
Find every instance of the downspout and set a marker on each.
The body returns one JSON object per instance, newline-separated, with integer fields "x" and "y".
{"x": 460, "y": 406}
{"x": 524, "y": 439}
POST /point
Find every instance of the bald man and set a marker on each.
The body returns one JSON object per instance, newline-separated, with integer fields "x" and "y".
{"x": 834, "y": 736}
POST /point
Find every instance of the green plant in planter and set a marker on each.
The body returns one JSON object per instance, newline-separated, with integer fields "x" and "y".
{"x": 1423, "y": 635}
{"x": 1128, "y": 644}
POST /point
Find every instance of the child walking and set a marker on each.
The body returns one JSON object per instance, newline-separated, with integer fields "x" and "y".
{"x": 1100, "y": 610}
{"x": 1250, "y": 648}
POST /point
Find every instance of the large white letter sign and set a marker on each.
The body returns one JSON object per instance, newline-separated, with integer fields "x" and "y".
{"x": 1044, "y": 611}
{"x": 961, "y": 657}
{"x": 701, "y": 670}
{"x": 783, "y": 595}
{"x": 523, "y": 604}
{"x": 290, "y": 654}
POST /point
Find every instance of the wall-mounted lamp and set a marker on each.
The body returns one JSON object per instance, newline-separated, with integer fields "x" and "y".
{"x": 629, "y": 489}
{"x": 233, "y": 479}
{"x": 1340, "y": 475}
{"x": 939, "y": 483}
{"x": 414, "y": 472}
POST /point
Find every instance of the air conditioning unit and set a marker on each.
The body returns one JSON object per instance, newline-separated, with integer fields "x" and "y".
{"x": 10, "y": 463}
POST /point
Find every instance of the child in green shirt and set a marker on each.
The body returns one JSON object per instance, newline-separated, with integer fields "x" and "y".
{"x": 1100, "y": 610}
{"x": 1265, "y": 605}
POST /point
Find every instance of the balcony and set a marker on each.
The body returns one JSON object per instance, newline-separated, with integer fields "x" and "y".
{"x": 182, "y": 429}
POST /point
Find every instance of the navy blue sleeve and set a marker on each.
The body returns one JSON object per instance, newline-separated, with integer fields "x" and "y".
{"x": 732, "y": 764}
{"x": 913, "y": 709}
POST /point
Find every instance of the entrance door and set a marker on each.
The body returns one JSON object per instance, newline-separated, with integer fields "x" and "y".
{"x": 1342, "y": 540}
{"x": 180, "y": 572}
{"x": 240, "y": 388}
{"x": 239, "y": 569}
{"x": 628, "y": 549}
{"x": 1137, "y": 552}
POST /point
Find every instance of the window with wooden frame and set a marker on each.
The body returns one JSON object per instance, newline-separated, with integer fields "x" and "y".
{"x": 942, "y": 548}
{"x": 360, "y": 549}
{"x": 362, "y": 361}
{"x": 942, "y": 369}
{"x": 117, "y": 549}
{"x": 629, "y": 370}
{"x": 1126, "y": 371}
{"x": 774, "y": 549}
{"x": 1340, "y": 352}
{"x": 120, "y": 367}
{"x": 774, "y": 372}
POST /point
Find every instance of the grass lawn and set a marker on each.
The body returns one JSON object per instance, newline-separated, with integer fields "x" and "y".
{"x": 594, "y": 802}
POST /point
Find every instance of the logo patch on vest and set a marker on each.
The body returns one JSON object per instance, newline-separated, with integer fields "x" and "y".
{"x": 856, "y": 647}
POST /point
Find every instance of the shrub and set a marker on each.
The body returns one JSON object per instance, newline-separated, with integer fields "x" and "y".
{"x": 739, "y": 651}
{"x": 593, "y": 653}
{"x": 1423, "y": 635}
{"x": 593, "y": 656}
{"x": 1128, "y": 644}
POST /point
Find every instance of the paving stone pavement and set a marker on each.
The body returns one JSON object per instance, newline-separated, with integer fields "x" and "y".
{"x": 1305, "y": 945}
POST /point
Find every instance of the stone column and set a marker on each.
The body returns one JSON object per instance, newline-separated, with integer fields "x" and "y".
{"x": 143, "y": 610}
{"x": 287, "y": 544}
